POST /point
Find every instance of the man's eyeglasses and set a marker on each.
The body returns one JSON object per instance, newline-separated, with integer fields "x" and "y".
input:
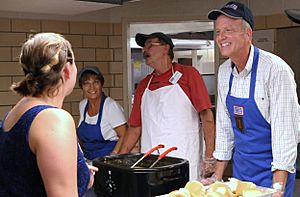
{"x": 152, "y": 44}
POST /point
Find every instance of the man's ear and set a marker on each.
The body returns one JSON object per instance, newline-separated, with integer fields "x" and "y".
{"x": 167, "y": 47}
{"x": 249, "y": 33}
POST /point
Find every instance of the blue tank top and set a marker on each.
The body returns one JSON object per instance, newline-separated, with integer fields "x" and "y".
{"x": 19, "y": 173}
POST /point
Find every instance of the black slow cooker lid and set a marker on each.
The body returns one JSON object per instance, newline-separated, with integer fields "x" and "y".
{"x": 125, "y": 161}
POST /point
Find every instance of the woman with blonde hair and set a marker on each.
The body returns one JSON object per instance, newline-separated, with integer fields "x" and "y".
{"x": 38, "y": 144}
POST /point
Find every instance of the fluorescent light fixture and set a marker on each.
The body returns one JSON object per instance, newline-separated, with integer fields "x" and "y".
{"x": 183, "y": 44}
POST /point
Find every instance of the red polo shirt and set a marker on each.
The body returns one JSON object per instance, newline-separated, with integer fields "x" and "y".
{"x": 191, "y": 83}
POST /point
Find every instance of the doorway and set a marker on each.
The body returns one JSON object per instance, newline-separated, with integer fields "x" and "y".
{"x": 194, "y": 45}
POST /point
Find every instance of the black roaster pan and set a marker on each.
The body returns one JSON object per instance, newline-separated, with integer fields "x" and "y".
{"x": 116, "y": 178}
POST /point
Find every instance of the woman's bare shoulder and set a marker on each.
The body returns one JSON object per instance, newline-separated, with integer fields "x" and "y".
{"x": 54, "y": 122}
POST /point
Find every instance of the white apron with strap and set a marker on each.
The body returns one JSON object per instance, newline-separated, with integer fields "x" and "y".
{"x": 169, "y": 118}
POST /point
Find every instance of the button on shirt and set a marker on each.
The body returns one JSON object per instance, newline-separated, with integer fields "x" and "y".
{"x": 276, "y": 98}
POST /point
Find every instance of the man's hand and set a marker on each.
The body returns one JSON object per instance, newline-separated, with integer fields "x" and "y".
{"x": 208, "y": 167}
{"x": 210, "y": 180}
{"x": 278, "y": 186}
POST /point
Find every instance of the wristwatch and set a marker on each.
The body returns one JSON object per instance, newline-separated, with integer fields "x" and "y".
{"x": 278, "y": 186}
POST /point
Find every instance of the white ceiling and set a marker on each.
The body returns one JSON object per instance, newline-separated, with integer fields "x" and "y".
{"x": 68, "y": 9}
{"x": 59, "y": 7}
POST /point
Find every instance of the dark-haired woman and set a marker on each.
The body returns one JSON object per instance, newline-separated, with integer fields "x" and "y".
{"x": 102, "y": 124}
{"x": 38, "y": 145}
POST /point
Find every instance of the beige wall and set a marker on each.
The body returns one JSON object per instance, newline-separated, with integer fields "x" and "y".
{"x": 97, "y": 44}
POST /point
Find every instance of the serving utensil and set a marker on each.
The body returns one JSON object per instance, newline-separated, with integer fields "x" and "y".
{"x": 163, "y": 155}
{"x": 148, "y": 153}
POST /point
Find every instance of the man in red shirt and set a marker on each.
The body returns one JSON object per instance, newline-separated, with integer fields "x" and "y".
{"x": 167, "y": 105}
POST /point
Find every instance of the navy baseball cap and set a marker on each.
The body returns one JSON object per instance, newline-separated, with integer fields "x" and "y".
{"x": 141, "y": 38}
{"x": 234, "y": 10}
{"x": 90, "y": 69}
{"x": 93, "y": 69}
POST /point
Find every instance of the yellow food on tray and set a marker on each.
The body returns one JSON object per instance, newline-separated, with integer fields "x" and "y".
{"x": 213, "y": 194}
{"x": 221, "y": 188}
{"x": 237, "y": 186}
{"x": 182, "y": 192}
{"x": 233, "y": 188}
{"x": 195, "y": 188}
{"x": 233, "y": 183}
{"x": 252, "y": 192}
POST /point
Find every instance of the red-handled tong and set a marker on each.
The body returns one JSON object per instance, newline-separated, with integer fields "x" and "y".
{"x": 163, "y": 155}
{"x": 147, "y": 154}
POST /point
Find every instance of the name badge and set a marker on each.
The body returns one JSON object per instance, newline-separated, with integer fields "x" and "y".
{"x": 238, "y": 112}
{"x": 176, "y": 76}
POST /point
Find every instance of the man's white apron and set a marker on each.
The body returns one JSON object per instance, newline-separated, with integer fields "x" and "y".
{"x": 169, "y": 118}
